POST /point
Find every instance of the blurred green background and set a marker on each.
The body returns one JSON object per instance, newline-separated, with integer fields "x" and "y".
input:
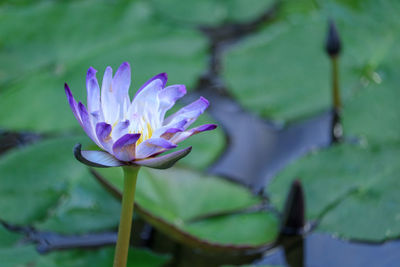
{"x": 278, "y": 72}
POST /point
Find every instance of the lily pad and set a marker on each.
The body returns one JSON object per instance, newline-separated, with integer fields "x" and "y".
{"x": 102, "y": 258}
{"x": 373, "y": 114}
{"x": 259, "y": 229}
{"x": 47, "y": 187}
{"x": 17, "y": 253}
{"x": 211, "y": 12}
{"x": 51, "y": 51}
{"x": 86, "y": 207}
{"x": 344, "y": 186}
{"x": 282, "y": 72}
{"x": 337, "y": 170}
{"x": 11, "y": 252}
{"x": 376, "y": 201}
{"x": 207, "y": 209}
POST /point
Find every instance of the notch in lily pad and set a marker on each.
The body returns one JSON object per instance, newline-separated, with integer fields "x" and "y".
{"x": 293, "y": 219}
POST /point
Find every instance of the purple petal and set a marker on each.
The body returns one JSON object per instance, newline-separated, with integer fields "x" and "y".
{"x": 103, "y": 131}
{"x": 86, "y": 123}
{"x": 171, "y": 128}
{"x": 165, "y": 161}
{"x": 162, "y": 77}
{"x": 168, "y": 134}
{"x": 169, "y": 96}
{"x": 202, "y": 128}
{"x": 189, "y": 112}
{"x": 153, "y": 146}
{"x": 96, "y": 158}
{"x": 120, "y": 129}
{"x": 120, "y": 83}
{"x": 160, "y": 142}
{"x": 72, "y": 103}
{"x": 124, "y": 148}
{"x": 93, "y": 91}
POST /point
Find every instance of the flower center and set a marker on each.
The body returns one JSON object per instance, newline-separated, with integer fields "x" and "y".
{"x": 145, "y": 133}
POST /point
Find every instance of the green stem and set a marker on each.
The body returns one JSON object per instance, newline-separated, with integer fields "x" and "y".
{"x": 125, "y": 224}
{"x": 335, "y": 83}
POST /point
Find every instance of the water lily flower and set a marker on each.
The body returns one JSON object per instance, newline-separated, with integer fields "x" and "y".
{"x": 134, "y": 132}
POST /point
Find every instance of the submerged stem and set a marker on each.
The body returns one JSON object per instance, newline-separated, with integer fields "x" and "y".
{"x": 125, "y": 224}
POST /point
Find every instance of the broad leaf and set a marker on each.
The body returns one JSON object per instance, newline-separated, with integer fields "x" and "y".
{"x": 46, "y": 186}
{"x": 347, "y": 186}
{"x": 373, "y": 115}
{"x": 20, "y": 254}
{"x": 211, "y": 12}
{"x": 203, "y": 207}
{"x": 65, "y": 38}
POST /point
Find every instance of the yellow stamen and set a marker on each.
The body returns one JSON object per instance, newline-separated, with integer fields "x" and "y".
{"x": 140, "y": 139}
{"x": 148, "y": 135}
{"x": 149, "y": 131}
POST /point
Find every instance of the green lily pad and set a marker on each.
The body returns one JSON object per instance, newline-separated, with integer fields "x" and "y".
{"x": 337, "y": 170}
{"x": 260, "y": 228}
{"x": 346, "y": 186}
{"x": 13, "y": 252}
{"x": 297, "y": 8}
{"x": 65, "y": 38}
{"x": 102, "y": 258}
{"x": 45, "y": 186}
{"x": 201, "y": 206}
{"x": 373, "y": 114}
{"x": 85, "y": 208}
{"x": 19, "y": 254}
{"x": 370, "y": 213}
{"x": 282, "y": 72}
{"x": 211, "y": 12}
{"x": 8, "y": 238}
{"x": 44, "y": 169}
